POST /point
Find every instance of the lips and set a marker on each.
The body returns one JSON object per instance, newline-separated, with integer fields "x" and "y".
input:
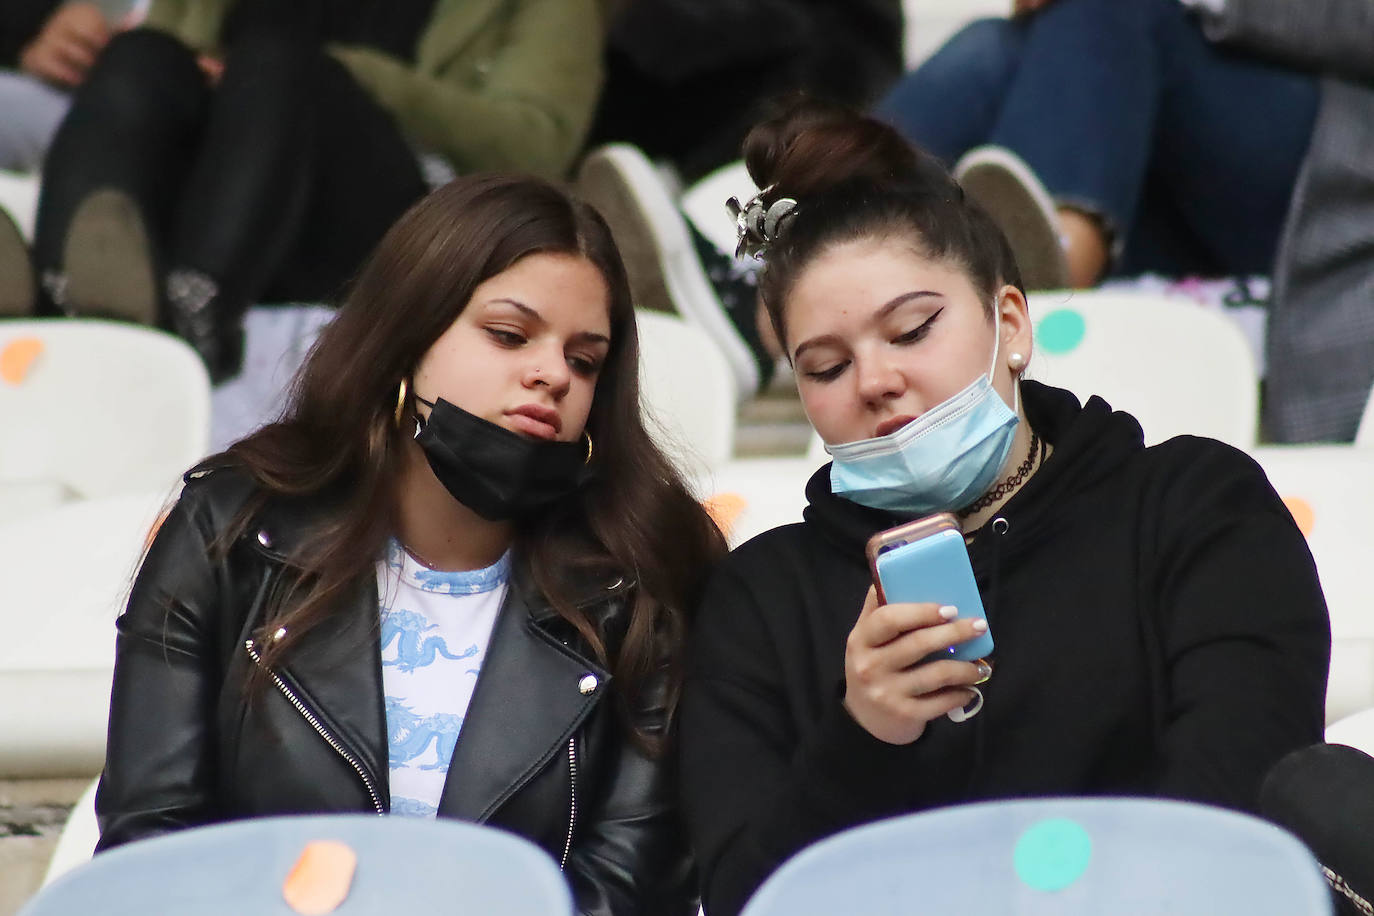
{"x": 891, "y": 426}
{"x": 535, "y": 420}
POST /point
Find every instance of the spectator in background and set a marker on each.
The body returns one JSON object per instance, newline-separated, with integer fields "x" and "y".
{"x": 231, "y": 151}
{"x": 46, "y": 49}
{"x": 1194, "y": 137}
{"x": 685, "y": 78}
{"x": 1144, "y": 134}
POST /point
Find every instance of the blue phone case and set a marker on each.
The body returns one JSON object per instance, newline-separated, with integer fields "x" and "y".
{"x": 936, "y": 568}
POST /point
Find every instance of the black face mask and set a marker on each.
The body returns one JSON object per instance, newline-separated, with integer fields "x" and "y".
{"x": 494, "y": 472}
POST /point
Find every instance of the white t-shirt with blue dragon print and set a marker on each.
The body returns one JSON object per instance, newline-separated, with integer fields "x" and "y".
{"x": 435, "y": 630}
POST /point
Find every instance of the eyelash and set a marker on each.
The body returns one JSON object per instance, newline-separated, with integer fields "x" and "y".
{"x": 506, "y": 338}
{"x": 582, "y": 365}
{"x": 828, "y": 375}
{"x": 920, "y": 331}
{"x": 913, "y": 336}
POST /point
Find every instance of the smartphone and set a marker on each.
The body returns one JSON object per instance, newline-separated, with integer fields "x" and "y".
{"x": 926, "y": 560}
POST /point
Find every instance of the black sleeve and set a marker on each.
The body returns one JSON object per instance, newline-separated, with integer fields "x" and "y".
{"x": 159, "y": 761}
{"x": 754, "y": 792}
{"x": 1329, "y": 36}
{"x": 631, "y": 855}
{"x": 678, "y": 39}
{"x": 1244, "y": 632}
{"x": 20, "y": 21}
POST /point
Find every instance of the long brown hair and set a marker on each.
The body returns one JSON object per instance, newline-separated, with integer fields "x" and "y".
{"x": 338, "y": 437}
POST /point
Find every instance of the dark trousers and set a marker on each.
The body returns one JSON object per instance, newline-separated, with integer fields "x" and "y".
{"x": 276, "y": 183}
{"x": 1124, "y": 108}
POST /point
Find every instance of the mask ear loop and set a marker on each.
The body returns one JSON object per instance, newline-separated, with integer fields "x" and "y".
{"x": 996, "y": 348}
{"x": 996, "y": 338}
{"x": 420, "y": 424}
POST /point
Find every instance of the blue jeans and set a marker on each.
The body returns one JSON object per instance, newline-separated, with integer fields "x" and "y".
{"x": 33, "y": 110}
{"x": 1123, "y": 108}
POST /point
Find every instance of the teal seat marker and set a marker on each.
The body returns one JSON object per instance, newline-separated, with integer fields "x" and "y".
{"x": 1061, "y": 331}
{"x": 1053, "y": 854}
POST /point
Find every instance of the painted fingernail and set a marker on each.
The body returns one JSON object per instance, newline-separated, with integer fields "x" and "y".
{"x": 980, "y": 626}
{"x": 984, "y": 672}
{"x": 949, "y": 612}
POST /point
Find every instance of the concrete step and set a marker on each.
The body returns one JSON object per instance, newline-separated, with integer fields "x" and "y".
{"x": 766, "y": 409}
{"x": 773, "y": 423}
{"x": 32, "y": 812}
{"x": 772, "y": 440}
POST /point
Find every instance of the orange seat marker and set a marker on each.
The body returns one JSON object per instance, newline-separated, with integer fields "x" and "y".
{"x": 16, "y": 358}
{"x": 320, "y": 880}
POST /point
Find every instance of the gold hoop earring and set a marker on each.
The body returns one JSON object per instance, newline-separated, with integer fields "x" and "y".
{"x": 401, "y": 393}
{"x": 588, "y": 459}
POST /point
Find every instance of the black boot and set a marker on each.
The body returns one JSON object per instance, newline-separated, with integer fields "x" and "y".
{"x": 201, "y": 316}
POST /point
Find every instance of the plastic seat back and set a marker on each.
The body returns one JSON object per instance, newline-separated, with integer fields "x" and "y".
{"x": 1053, "y": 857}
{"x": 99, "y": 407}
{"x": 404, "y": 865}
{"x": 1176, "y": 366}
{"x": 687, "y": 391}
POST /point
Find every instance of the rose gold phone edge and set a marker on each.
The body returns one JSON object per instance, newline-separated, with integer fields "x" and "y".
{"x": 905, "y": 533}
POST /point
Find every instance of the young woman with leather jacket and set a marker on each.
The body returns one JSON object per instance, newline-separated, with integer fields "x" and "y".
{"x": 452, "y": 580}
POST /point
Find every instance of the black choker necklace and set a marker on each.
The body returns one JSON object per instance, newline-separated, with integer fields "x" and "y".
{"x": 1006, "y": 487}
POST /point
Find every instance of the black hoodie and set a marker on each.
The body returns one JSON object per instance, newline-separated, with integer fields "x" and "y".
{"x": 1159, "y": 630}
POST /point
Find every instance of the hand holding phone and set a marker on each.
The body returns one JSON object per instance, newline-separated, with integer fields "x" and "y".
{"x": 915, "y": 654}
{"x": 892, "y": 688}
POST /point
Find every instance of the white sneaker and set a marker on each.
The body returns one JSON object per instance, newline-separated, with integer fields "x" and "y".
{"x": 107, "y": 261}
{"x": 17, "y": 283}
{"x": 1002, "y": 184}
{"x": 665, "y": 272}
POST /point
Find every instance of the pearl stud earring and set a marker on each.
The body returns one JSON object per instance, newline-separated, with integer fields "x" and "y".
{"x": 1016, "y": 362}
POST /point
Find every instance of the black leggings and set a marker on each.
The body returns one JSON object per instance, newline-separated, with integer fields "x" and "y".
{"x": 276, "y": 184}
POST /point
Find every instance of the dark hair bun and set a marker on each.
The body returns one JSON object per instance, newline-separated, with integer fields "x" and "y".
{"x": 812, "y": 147}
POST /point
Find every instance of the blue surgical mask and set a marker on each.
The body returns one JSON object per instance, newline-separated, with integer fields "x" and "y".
{"x": 941, "y": 461}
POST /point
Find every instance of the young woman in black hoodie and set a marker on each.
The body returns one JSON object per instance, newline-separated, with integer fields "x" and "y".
{"x": 1159, "y": 625}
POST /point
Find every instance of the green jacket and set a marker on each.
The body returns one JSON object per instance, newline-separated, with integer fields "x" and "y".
{"x": 496, "y": 85}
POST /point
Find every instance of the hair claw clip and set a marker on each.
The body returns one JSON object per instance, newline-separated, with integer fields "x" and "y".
{"x": 756, "y": 226}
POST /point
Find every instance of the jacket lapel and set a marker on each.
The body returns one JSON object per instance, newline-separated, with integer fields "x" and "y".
{"x": 528, "y": 701}
{"x": 336, "y": 668}
{"x": 533, "y": 691}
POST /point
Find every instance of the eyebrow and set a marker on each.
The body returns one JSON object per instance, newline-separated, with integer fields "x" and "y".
{"x": 587, "y": 336}
{"x": 888, "y": 308}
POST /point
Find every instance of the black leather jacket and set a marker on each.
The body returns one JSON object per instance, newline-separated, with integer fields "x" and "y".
{"x": 542, "y": 752}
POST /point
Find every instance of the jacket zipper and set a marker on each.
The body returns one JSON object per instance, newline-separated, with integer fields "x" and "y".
{"x": 572, "y": 813}
{"x": 324, "y": 733}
